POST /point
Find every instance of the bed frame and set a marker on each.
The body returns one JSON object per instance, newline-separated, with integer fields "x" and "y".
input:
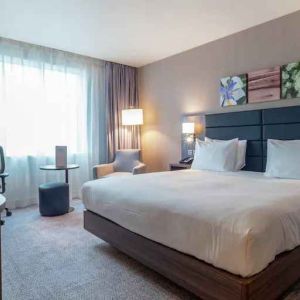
{"x": 202, "y": 279}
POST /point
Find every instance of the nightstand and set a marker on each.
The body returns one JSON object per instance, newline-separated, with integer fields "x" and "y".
{"x": 178, "y": 166}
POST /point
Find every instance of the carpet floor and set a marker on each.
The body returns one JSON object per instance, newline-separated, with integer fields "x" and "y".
{"x": 55, "y": 258}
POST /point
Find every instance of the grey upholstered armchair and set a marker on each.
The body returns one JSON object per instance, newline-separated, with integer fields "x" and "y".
{"x": 127, "y": 162}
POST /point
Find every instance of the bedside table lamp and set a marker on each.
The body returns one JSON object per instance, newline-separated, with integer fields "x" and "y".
{"x": 188, "y": 129}
{"x": 188, "y": 132}
{"x": 193, "y": 127}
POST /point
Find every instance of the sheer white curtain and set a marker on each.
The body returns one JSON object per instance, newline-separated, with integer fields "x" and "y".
{"x": 47, "y": 98}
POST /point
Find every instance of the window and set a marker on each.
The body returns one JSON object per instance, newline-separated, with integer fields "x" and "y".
{"x": 41, "y": 107}
{"x": 47, "y": 98}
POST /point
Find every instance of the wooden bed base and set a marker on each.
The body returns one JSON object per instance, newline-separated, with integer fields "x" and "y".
{"x": 200, "y": 278}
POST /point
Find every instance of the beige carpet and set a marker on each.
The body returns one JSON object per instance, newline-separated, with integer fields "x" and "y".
{"x": 55, "y": 258}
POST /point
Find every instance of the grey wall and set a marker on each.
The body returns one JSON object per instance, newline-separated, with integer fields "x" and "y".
{"x": 189, "y": 82}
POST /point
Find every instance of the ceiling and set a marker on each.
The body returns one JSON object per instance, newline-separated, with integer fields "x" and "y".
{"x": 133, "y": 32}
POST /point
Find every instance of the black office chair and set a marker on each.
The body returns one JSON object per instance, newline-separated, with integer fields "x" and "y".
{"x": 3, "y": 176}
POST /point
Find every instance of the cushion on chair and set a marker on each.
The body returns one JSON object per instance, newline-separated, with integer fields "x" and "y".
{"x": 126, "y": 160}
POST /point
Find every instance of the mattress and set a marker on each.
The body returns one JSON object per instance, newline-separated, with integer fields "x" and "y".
{"x": 236, "y": 221}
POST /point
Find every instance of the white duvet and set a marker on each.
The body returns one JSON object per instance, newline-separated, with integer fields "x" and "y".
{"x": 235, "y": 221}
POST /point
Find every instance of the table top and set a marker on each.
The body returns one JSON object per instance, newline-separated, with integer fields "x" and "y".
{"x": 2, "y": 202}
{"x": 54, "y": 167}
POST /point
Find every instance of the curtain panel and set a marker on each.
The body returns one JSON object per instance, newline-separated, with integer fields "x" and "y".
{"x": 49, "y": 97}
{"x": 121, "y": 92}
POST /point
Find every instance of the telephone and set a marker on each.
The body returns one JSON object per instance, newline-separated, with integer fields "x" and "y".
{"x": 187, "y": 160}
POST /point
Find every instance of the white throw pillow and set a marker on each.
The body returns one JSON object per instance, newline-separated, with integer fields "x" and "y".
{"x": 241, "y": 153}
{"x": 283, "y": 159}
{"x": 215, "y": 155}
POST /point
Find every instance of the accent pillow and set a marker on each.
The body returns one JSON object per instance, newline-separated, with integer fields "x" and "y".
{"x": 283, "y": 159}
{"x": 241, "y": 153}
{"x": 215, "y": 155}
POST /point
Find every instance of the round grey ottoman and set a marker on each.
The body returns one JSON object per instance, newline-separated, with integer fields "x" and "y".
{"x": 54, "y": 199}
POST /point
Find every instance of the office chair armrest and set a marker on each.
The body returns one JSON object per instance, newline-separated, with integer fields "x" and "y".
{"x": 102, "y": 170}
{"x": 2, "y": 182}
{"x": 139, "y": 169}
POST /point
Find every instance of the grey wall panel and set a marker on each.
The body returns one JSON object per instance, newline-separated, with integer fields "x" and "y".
{"x": 254, "y": 164}
{"x": 254, "y": 148}
{"x": 264, "y": 163}
{"x": 264, "y": 148}
{"x": 243, "y": 125}
{"x": 282, "y": 115}
{"x": 234, "y": 119}
{"x": 282, "y": 131}
{"x": 250, "y": 133}
{"x": 279, "y": 123}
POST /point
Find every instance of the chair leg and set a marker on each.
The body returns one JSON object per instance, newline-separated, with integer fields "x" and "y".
{"x": 8, "y": 212}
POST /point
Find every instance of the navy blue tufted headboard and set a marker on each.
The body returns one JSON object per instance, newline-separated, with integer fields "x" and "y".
{"x": 256, "y": 126}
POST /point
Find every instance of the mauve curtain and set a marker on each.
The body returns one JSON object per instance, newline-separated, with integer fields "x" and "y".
{"x": 121, "y": 92}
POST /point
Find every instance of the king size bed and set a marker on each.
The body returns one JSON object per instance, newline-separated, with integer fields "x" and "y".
{"x": 221, "y": 235}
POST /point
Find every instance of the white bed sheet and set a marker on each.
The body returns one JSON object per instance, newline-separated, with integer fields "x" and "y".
{"x": 237, "y": 221}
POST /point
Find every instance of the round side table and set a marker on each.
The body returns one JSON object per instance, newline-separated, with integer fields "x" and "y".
{"x": 56, "y": 168}
{"x": 65, "y": 168}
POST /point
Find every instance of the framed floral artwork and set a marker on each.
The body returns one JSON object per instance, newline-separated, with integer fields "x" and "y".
{"x": 233, "y": 90}
{"x": 290, "y": 80}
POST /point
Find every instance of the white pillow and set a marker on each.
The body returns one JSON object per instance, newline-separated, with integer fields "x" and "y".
{"x": 241, "y": 153}
{"x": 215, "y": 155}
{"x": 283, "y": 159}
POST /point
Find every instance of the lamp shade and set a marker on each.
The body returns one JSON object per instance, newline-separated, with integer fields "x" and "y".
{"x": 188, "y": 128}
{"x": 132, "y": 116}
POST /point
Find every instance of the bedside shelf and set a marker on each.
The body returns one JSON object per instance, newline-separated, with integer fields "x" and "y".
{"x": 178, "y": 166}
